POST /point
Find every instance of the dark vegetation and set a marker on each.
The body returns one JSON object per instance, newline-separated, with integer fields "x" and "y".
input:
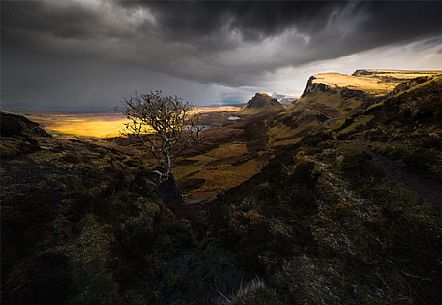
{"x": 347, "y": 215}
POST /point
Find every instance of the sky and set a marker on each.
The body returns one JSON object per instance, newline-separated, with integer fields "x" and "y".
{"x": 88, "y": 54}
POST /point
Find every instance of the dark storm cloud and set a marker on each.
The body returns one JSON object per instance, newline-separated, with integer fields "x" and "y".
{"x": 228, "y": 43}
{"x": 255, "y": 20}
{"x": 206, "y": 23}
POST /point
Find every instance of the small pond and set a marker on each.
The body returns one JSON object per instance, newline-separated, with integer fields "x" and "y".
{"x": 233, "y": 118}
{"x": 200, "y": 127}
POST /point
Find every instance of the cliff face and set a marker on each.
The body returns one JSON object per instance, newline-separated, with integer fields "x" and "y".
{"x": 346, "y": 94}
{"x": 314, "y": 87}
{"x": 318, "y": 89}
{"x": 329, "y": 98}
{"x": 374, "y": 83}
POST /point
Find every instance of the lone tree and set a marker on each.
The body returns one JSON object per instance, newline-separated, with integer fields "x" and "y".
{"x": 162, "y": 124}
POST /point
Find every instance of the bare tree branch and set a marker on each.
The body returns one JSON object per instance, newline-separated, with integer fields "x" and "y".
{"x": 163, "y": 125}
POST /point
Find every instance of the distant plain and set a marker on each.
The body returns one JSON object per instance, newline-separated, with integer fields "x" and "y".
{"x": 94, "y": 124}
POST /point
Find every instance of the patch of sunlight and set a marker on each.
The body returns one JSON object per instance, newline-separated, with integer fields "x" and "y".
{"x": 98, "y": 125}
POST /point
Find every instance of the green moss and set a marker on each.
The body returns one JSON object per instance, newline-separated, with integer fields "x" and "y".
{"x": 419, "y": 86}
{"x": 374, "y": 106}
{"x": 357, "y": 124}
{"x": 171, "y": 279}
{"x": 9, "y": 148}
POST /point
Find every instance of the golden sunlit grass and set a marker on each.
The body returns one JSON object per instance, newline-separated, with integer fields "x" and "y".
{"x": 228, "y": 150}
{"x": 369, "y": 84}
{"x": 98, "y": 125}
{"x": 181, "y": 171}
{"x": 225, "y": 177}
{"x": 219, "y": 177}
{"x": 380, "y": 82}
{"x": 105, "y": 125}
{"x": 357, "y": 123}
{"x": 217, "y": 108}
{"x": 404, "y": 74}
{"x": 280, "y": 131}
{"x": 374, "y": 83}
{"x": 200, "y": 163}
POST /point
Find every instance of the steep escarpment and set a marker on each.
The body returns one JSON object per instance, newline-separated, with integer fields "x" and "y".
{"x": 359, "y": 89}
{"x": 341, "y": 93}
{"x": 329, "y": 98}
{"x": 350, "y": 216}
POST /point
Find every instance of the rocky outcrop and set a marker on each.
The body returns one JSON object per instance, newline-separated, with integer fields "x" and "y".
{"x": 313, "y": 87}
{"x": 14, "y": 125}
{"x": 409, "y": 84}
{"x": 262, "y": 102}
{"x": 362, "y": 72}
{"x": 322, "y": 91}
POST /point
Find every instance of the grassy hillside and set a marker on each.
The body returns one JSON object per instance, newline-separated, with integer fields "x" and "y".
{"x": 352, "y": 216}
{"x": 83, "y": 224}
{"x": 331, "y": 97}
{"x": 314, "y": 205}
{"x": 373, "y": 82}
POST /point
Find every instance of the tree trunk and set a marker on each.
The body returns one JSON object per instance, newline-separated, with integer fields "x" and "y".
{"x": 168, "y": 167}
{"x": 170, "y": 192}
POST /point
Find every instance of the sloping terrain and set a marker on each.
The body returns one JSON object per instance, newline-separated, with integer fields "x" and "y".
{"x": 373, "y": 82}
{"x": 83, "y": 224}
{"x": 230, "y": 153}
{"x": 352, "y": 215}
{"x": 346, "y": 93}
{"x": 330, "y": 97}
{"x": 411, "y": 120}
